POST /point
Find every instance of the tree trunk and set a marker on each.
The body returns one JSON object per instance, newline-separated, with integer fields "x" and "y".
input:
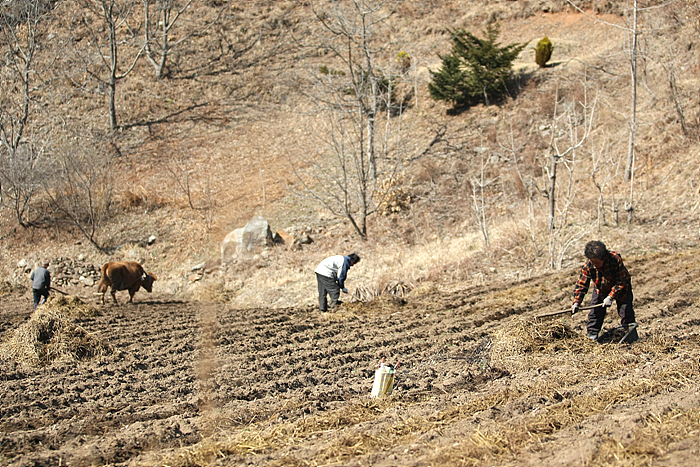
{"x": 108, "y": 8}
{"x": 633, "y": 117}
{"x": 552, "y": 188}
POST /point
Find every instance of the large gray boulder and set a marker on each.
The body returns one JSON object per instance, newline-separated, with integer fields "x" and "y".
{"x": 255, "y": 236}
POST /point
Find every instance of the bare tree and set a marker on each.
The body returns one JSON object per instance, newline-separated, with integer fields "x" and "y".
{"x": 23, "y": 31}
{"x": 605, "y": 169}
{"x": 635, "y": 11}
{"x": 158, "y": 29}
{"x": 480, "y": 182}
{"x": 358, "y": 112}
{"x": 352, "y": 28}
{"x": 340, "y": 173}
{"x": 570, "y": 129}
{"x": 110, "y": 35}
{"x": 528, "y": 182}
{"x": 634, "y": 39}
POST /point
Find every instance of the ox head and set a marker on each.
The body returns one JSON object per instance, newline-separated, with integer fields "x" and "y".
{"x": 147, "y": 281}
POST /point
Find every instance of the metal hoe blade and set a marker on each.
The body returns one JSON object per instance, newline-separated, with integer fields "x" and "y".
{"x": 631, "y": 334}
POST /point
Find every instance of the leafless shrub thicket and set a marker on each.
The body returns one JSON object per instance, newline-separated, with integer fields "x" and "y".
{"x": 61, "y": 56}
{"x": 80, "y": 186}
{"x": 25, "y": 57}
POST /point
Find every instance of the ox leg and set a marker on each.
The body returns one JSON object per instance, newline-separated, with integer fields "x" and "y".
{"x": 114, "y": 296}
{"x": 132, "y": 291}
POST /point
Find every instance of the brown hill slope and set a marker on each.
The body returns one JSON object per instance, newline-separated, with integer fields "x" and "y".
{"x": 233, "y": 124}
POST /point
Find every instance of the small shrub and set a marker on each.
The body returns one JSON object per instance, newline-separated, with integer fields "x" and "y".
{"x": 324, "y": 70}
{"x": 543, "y": 52}
{"x": 404, "y": 60}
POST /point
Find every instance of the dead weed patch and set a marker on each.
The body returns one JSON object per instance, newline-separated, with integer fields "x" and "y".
{"x": 256, "y": 441}
{"x": 510, "y": 438}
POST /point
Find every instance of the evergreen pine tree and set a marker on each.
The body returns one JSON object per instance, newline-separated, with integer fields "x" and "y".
{"x": 449, "y": 81}
{"x": 476, "y": 69}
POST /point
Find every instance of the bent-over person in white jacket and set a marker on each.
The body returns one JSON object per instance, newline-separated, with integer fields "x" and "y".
{"x": 330, "y": 275}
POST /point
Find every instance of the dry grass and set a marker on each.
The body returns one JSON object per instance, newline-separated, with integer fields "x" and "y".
{"x": 498, "y": 443}
{"x": 213, "y": 291}
{"x": 381, "y": 305}
{"x": 6, "y": 287}
{"x": 335, "y": 436}
{"x": 652, "y": 440}
{"x": 257, "y": 440}
{"x": 384, "y": 269}
{"x": 71, "y": 306}
{"x": 51, "y": 334}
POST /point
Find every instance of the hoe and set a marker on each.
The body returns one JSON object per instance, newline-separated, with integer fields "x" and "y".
{"x": 630, "y": 334}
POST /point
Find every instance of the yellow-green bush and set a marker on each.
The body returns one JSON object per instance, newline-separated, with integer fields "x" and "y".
{"x": 543, "y": 51}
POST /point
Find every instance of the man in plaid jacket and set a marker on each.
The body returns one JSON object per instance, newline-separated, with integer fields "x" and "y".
{"x": 611, "y": 281}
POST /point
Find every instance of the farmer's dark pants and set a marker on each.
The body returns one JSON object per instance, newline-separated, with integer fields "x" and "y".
{"x": 597, "y": 315}
{"x": 327, "y": 285}
{"x": 38, "y": 293}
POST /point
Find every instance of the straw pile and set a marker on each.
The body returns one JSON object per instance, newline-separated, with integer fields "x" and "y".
{"x": 71, "y": 306}
{"x": 395, "y": 288}
{"x": 512, "y": 347}
{"x": 52, "y": 334}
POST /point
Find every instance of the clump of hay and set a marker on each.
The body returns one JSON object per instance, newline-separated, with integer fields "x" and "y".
{"x": 52, "y": 334}
{"x": 72, "y": 306}
{"x": 514, "y": 346}
{"x": 396, "y": 288}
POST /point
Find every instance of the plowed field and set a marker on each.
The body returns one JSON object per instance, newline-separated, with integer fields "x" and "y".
{"x": 481, "y": 382}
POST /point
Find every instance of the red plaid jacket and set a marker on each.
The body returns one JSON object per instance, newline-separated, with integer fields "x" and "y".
{"x": 613, "y": 279}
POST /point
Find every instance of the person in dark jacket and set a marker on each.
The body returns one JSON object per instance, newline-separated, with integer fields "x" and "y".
{"x": 611, "y": 281}
{"x": 41, "y": 282}
{"x": 330, "y": 276}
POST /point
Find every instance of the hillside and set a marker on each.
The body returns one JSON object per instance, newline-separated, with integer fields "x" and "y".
{"x": 240, "y": 129}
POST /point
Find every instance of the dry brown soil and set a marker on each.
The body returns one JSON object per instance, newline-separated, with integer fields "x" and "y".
{"x": 479, "y": 382}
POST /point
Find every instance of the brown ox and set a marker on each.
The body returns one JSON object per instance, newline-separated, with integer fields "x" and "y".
{"x": 124, "y": 275}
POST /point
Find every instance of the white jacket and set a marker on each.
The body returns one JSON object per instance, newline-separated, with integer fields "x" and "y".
{"x": 335, "y": 267}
